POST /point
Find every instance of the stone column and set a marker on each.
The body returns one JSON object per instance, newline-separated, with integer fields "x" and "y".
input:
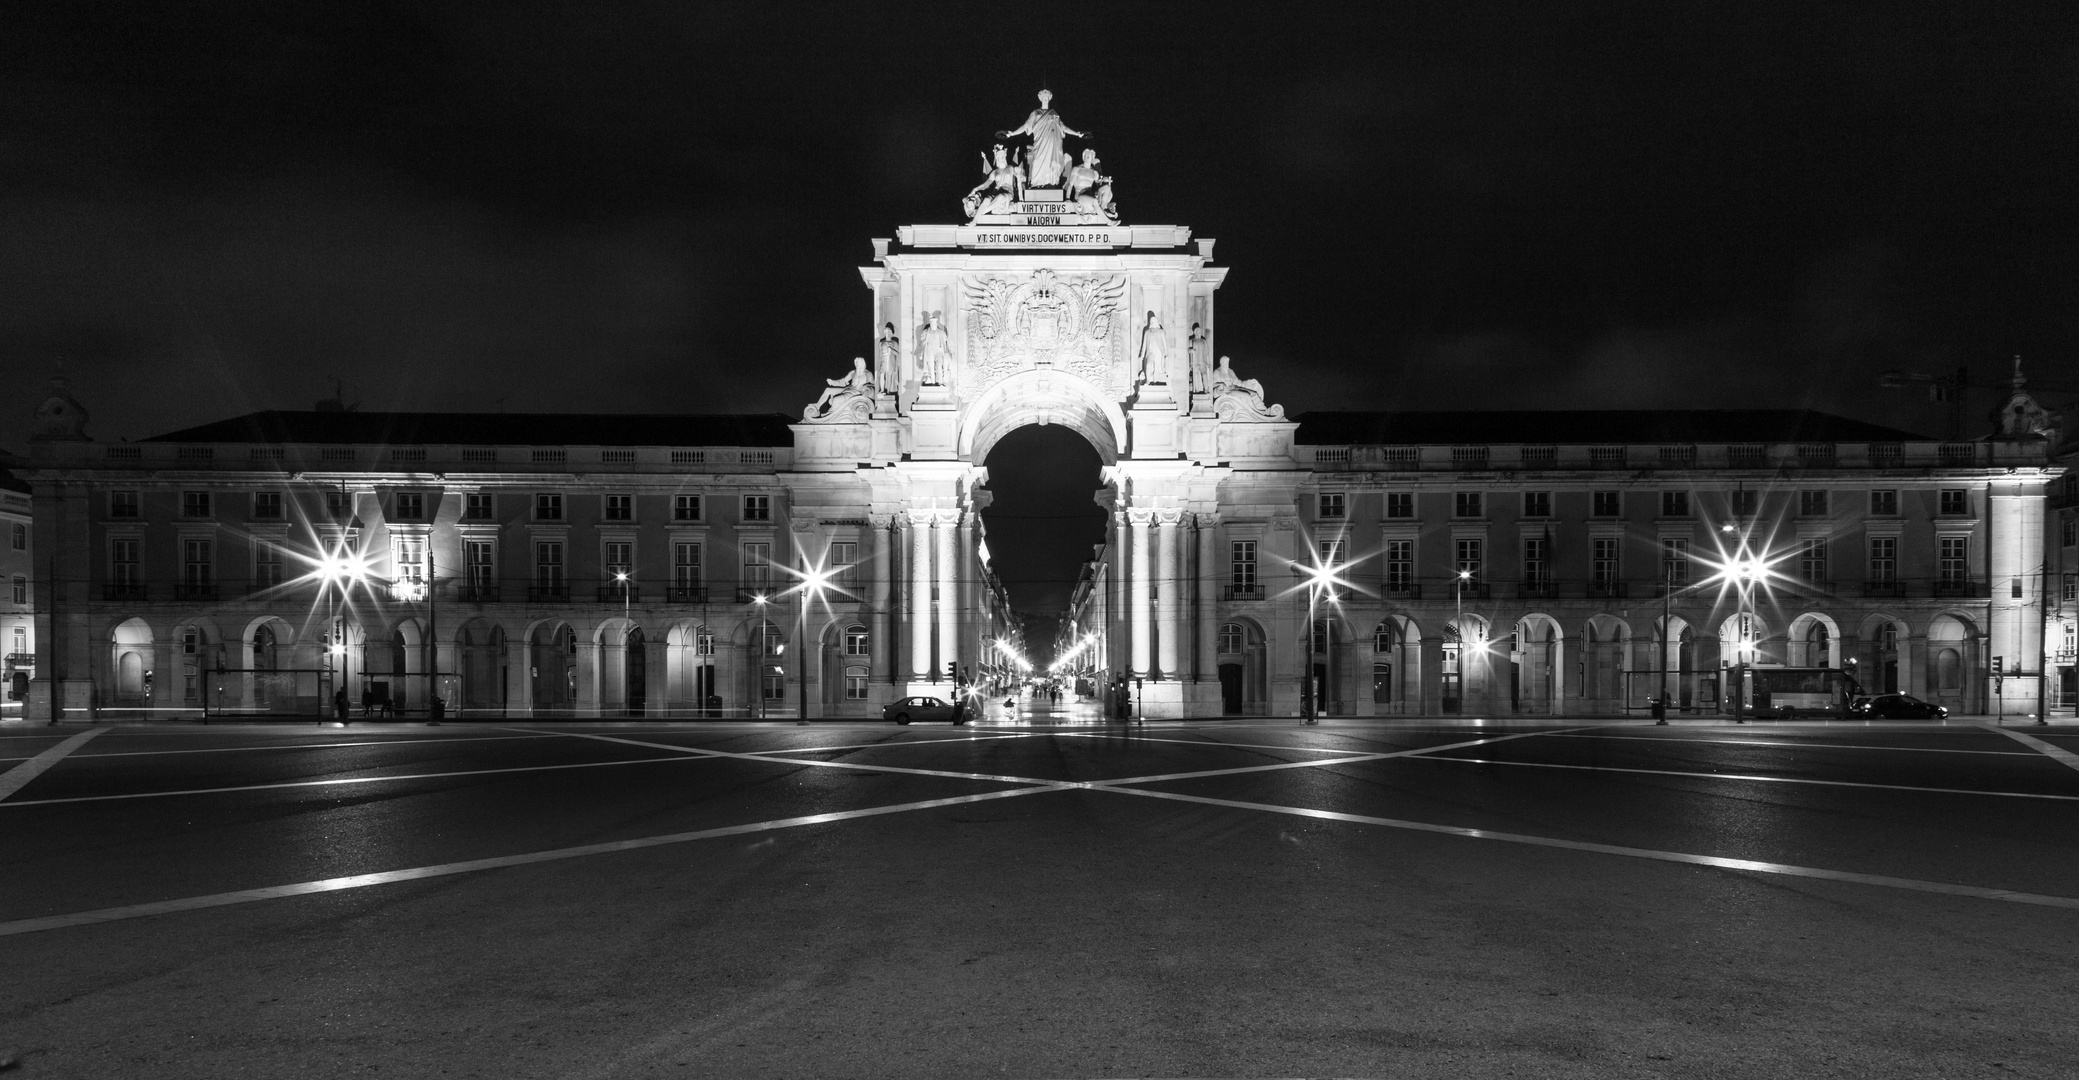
{"x": 877, "y": 594}
{"x": 586, "y": 701}
{"x": 948, "y": 592}
{"x": 656, "y": 676}
{"x": 1169, "y": 584}
{"x": 968, "y": 591}
{"x": 1205, "y": 669}
{"x": 1137, "y": 599}
{"x": 920, "y": 594}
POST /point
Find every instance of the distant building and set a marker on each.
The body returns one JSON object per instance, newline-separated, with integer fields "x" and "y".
{"x": 17, "y": 608}
{"x": 1494, "y": 563}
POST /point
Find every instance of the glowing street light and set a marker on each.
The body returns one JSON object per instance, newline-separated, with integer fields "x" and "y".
{"x": 809, "y": 588}
{"x": 1319, "y": 575}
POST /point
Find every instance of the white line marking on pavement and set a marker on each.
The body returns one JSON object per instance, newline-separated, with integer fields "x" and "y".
{"x": 768, "y": 759}
{"x": 338, "y": 783}
{"x": 14, "y": 778}
{"x": 1381, "y": 756}
{"x": 1751, "y": 865}
{"x": 306, "y": 746}
{"x": 1210, "y": 743}
{"x": 1676, "y": 739}
{"x": 362, "y": 881}
{"x": 1690, "y": 774}
{"x": 2056, "y": 753}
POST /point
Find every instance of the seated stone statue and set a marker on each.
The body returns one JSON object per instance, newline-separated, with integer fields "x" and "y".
{"x": 1236, "y": 398}
{"x": 1091, "y": 190}
{"x": 999, "y": 186}
{"x": 851, "y": 394}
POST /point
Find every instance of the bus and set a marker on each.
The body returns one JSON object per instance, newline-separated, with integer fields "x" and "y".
{"x": 1765, "y": 691}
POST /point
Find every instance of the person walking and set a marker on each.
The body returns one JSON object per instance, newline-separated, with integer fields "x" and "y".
{"x": 339, "y": 705}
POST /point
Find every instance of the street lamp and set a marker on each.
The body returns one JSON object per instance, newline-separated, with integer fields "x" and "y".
{"x": 1320, "y": 575}
{"x": 337, "y": 571}
{"x": 808, "y": 589}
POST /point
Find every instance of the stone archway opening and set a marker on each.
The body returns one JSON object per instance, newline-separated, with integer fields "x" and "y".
{"x": 1045, "y": 514}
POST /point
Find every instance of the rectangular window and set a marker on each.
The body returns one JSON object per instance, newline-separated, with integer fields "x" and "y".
{"x": 1884, "y": 502}
{"x": 1743, "y": 503}
{"x": 856, "y": 641}
{"x": 844, "y": 568}
{"x": 411, "y": 506}
{"x": 267, "y": 505}
{"x": 123, "y": 564}
{"x": 338, "y": 504}
{"x": 548, "y": 506}
{"x": 1605, "y": 504}
{"x": 2068, "y": 532}
{"x": 1674, "y": 504}
{"x": 18, "y": 537}
{"x": 1602, "y": 563}
{"x": 548, "y": 566}
{"x": 477, "y": 506}
{"x": 1466, "y": 504}
{"x": 1954, "y": 502}
{"x": 197, "y": 563}
{"x": 1884, "y": 560}
{"x": 620, "y": 508}
{"x": 194, "y": 504}
{"x": 1537, "y": 560}
{"x": 124, "y": 504}
{"x": 1471, "y": 557}
{"x": 855, "y": 686}
{"x": 1400, "y": 565}
{"x": 1537, "y": 504}
{"x": 1329, "y": 506}
{"x": 267, "y": 565}
{"x": 1811, "y": 503}
{"x": 2071, "y": 589}
{"x": 620, "y": 561}
{"x": 21, "y": 596}
{"x": 1953, "y": 560}
{"x": 409, "y": 553}
{"x": 1242, "y": 567}
{"x": 757, "y": 508}
{"x": 1400, "y": 504}
{"x": 1674, "y": 561}
{"x": 757, "y": 565}
{"x": 685, "y": 566}
{"x": 483, "y": 563}
{"x": 1812, "y": 562}
{"x": 685, "y": 508}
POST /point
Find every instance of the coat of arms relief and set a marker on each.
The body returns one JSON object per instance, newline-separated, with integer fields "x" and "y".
{"x": 1044, "y": 321}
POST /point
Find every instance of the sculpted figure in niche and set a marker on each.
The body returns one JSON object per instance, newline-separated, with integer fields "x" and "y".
{"x": 1236, "y": 398}
{"x": 934, "y": 350}
{"x": 889, "y": 358}
{"x": 855, "y": 385}
{"x": 1091, "y": 190}
{"x": 1200, "y": 364}
{"x": 999, "y": 186}
{"x": 1154, "y": 353}
{"x": 1045, "y": 160}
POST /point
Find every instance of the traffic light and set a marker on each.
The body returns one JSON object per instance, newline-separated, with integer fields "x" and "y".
{"x": 1999, "y": 663}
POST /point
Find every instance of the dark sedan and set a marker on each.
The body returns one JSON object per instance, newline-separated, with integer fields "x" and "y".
{"x": 919, "y": 708}
{"x": 1900, "y": 707}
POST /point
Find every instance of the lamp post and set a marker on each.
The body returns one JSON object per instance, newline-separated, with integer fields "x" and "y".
{"x": 1667, "y": 601}
{"x": 336, "y": 574}
{"x": 758, "y": 599}
{"x": 1458, "y": 658}
{"x": 810, "y": 587}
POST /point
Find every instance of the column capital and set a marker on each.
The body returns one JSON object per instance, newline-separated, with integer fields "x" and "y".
{"x": 1169, "y": 518}
{"x": 1206, "y": 520}
{"x": 919, "y": 519}
{"x": 946, "y": 519}
{"x": 880, "y": 521}
{"x": 1139, "y": 518}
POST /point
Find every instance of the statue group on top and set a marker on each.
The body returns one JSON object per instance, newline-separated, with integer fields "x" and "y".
{"x": 1032, "y": 157}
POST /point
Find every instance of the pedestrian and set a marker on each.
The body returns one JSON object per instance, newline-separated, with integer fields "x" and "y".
{"x": 435, "y": 710}
{"x": 339, "y": 704}
{"x": 1660, "y": 710}
{"x": 367, "y": 704}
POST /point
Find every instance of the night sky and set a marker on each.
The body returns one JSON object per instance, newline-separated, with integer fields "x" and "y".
{"x": 207, "y": 209}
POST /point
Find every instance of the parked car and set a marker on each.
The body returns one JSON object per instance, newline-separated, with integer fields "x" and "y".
{"x": 1900, "y": 707}
{"x": 918, "y": 708}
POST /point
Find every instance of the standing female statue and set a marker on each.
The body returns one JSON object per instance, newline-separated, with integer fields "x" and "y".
{"x": 1045, "y": 160}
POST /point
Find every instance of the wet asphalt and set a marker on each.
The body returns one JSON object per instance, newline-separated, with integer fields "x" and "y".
{"x": 1042, "y": 895}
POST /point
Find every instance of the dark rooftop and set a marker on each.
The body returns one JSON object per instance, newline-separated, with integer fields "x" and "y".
{"x": 492, "y": 429}
{"x": 1591, "y": 426}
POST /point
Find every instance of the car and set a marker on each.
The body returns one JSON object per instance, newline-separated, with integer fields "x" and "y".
{"x": 919, "y": 708}
{"x": 1902, "y": 707}
{"x": 1858, "y": 706}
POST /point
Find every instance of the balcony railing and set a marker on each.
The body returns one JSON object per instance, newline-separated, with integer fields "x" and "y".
{"x": 1608, "y": 590}
{"x": 1884, "y": 588}
{"x": 1241, "y": 592}
{"x": 1537, "y": 590}
{"x": 477, "y": 594}
{"x": 127, "y": 590}
{"x": 195, "y": 590}
{"x": 558, "y": 591}
{"x": 687, "y": 594}
{"x": 1976, "y": 589}
{"x": 620, "y": 592}
{"x": 1403, "y": 590}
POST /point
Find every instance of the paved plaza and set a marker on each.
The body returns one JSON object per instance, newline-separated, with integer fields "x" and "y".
{"x": 1041, "y": 895}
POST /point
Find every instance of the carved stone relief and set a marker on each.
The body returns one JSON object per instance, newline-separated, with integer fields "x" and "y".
{"x": 1043, "y": 321}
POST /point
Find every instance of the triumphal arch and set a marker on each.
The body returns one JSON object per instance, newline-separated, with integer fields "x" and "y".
{"x": 1045, "y": 307}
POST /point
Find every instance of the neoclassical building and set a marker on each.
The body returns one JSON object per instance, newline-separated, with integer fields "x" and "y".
{"x": 1501, "y": 563}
